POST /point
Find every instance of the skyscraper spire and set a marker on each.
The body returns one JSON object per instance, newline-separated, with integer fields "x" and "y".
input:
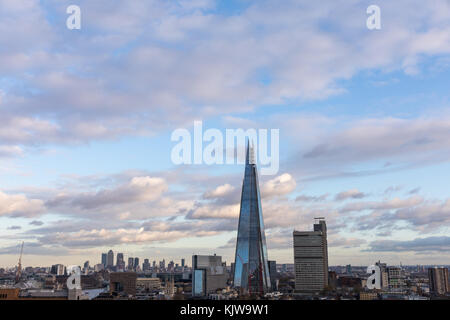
{"x": 251, "y": 271}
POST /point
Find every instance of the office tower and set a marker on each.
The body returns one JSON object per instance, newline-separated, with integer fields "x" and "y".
{"x": 110, "y": 260}
{"x": 136, "y": 264}
{"x": 86, "y": 267}
{"x": 154, "y": 264}
{"x": 311, "y": 259}
{"x": 104, "y": 259}
{"x": 146, "y": 265}
{"x": 273, "y": 275}
{"x": 130, "y": 263}
{"x": 162, "y": 264}
{"x": 182, "y": 262}
{"x": 120, "y": 262}
{"x": 439, "y": 284}
{"x": 251, "y": 271}
{"x": 208, "y": 275}
{"x": 122, "y": 282}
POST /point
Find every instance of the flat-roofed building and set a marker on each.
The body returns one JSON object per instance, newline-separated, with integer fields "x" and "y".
{"x": 438, "y": 278}
{"x": 122, "y": 283}
{"x": 208, "y": 275}
{"x": 311, "y": 259}
{"x": 148, "y": 284}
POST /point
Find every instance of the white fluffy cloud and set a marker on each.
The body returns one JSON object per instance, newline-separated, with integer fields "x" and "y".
{"x": 18, "y": 205}
{"x": 278, "y": 186}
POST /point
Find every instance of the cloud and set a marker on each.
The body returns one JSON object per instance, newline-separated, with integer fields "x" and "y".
{"x": 10, "y": 151}
{"x": 139, "y": 189}
{"x": 220, "y": 191}
{"x": 36, "y": 223}
{"x": 437, "y": 244}
{"x": 14, "y": 228}
{"x": 350, "y": 194}
{"x": 304, "y": 198}
{"x": 346, "y": 242}
{"x": 18, "y": 205}
{"x": 395, "y": 203}
{"x": 278, "y": 186}
{"x": 143, "y": 67}
{"x": 215, "y": 212}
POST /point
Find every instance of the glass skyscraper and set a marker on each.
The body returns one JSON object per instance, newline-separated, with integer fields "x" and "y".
{"x": 251, "y": 270}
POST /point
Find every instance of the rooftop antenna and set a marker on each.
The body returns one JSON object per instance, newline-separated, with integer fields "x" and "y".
{"x": 19, "y": 265}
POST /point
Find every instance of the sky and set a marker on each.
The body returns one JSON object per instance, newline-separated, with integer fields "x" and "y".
{"x": 87, "y": 118}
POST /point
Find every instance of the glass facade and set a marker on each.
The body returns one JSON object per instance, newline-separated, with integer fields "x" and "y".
{"x": 251, "y": 271}
{"x": 198, "y": 283}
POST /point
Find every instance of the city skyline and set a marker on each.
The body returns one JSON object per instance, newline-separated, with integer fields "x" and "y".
{"x": 88, "y": 116}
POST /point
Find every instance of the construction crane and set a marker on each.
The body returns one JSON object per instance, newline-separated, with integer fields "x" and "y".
{"x": 19, "y": 266}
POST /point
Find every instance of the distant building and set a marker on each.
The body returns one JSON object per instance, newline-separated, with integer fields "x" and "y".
{"x": 120, "y": 262}
{"x": 311, "y": 259}
{"x": 208, "y": 275}
{"x": 384, "y": 275}
{"x": 110, "y": 260}
{"x": 58, "y": 270}
{"x": 273, "y": 275}
{"x": 148, "y": 284}
{"x": 136, "y": 264}
{"x": 99, "y": 267}
{"x": 438, "y": 278}
{"x": 368, "y": 296}
{"x": 348, "y": 269}
{"x": 130, "y": 263}
{"x": 104, "y": 259}
{"x": 122, "y": 283}
{"x": 396, "y": 278}
{"x": 146, "y": 265}
{"x": 86, "y": 267}
{"x": 182, "y": 262}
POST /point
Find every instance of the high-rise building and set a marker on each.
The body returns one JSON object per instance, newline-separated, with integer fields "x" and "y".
{"x": 136, "y": 264}
{"x": 130, "y": 263}
{"x": 104, "y": 259}
{"x": 439, "y": 284}
{"x": 311, "y": 259}
{"x": 251, "y": 271}
{"x": 120, "y": 262}
{"x": 86, "y": 267}
{"x": 146, "y": 265}
{"x": 110, "y": 260}
{"x": 182, "y": 262}
{"x": 208, "y": 275}
{"x": 273, "y": 275}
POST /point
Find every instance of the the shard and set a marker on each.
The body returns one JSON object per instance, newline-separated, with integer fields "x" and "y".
{"x": 251, "y": 271}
